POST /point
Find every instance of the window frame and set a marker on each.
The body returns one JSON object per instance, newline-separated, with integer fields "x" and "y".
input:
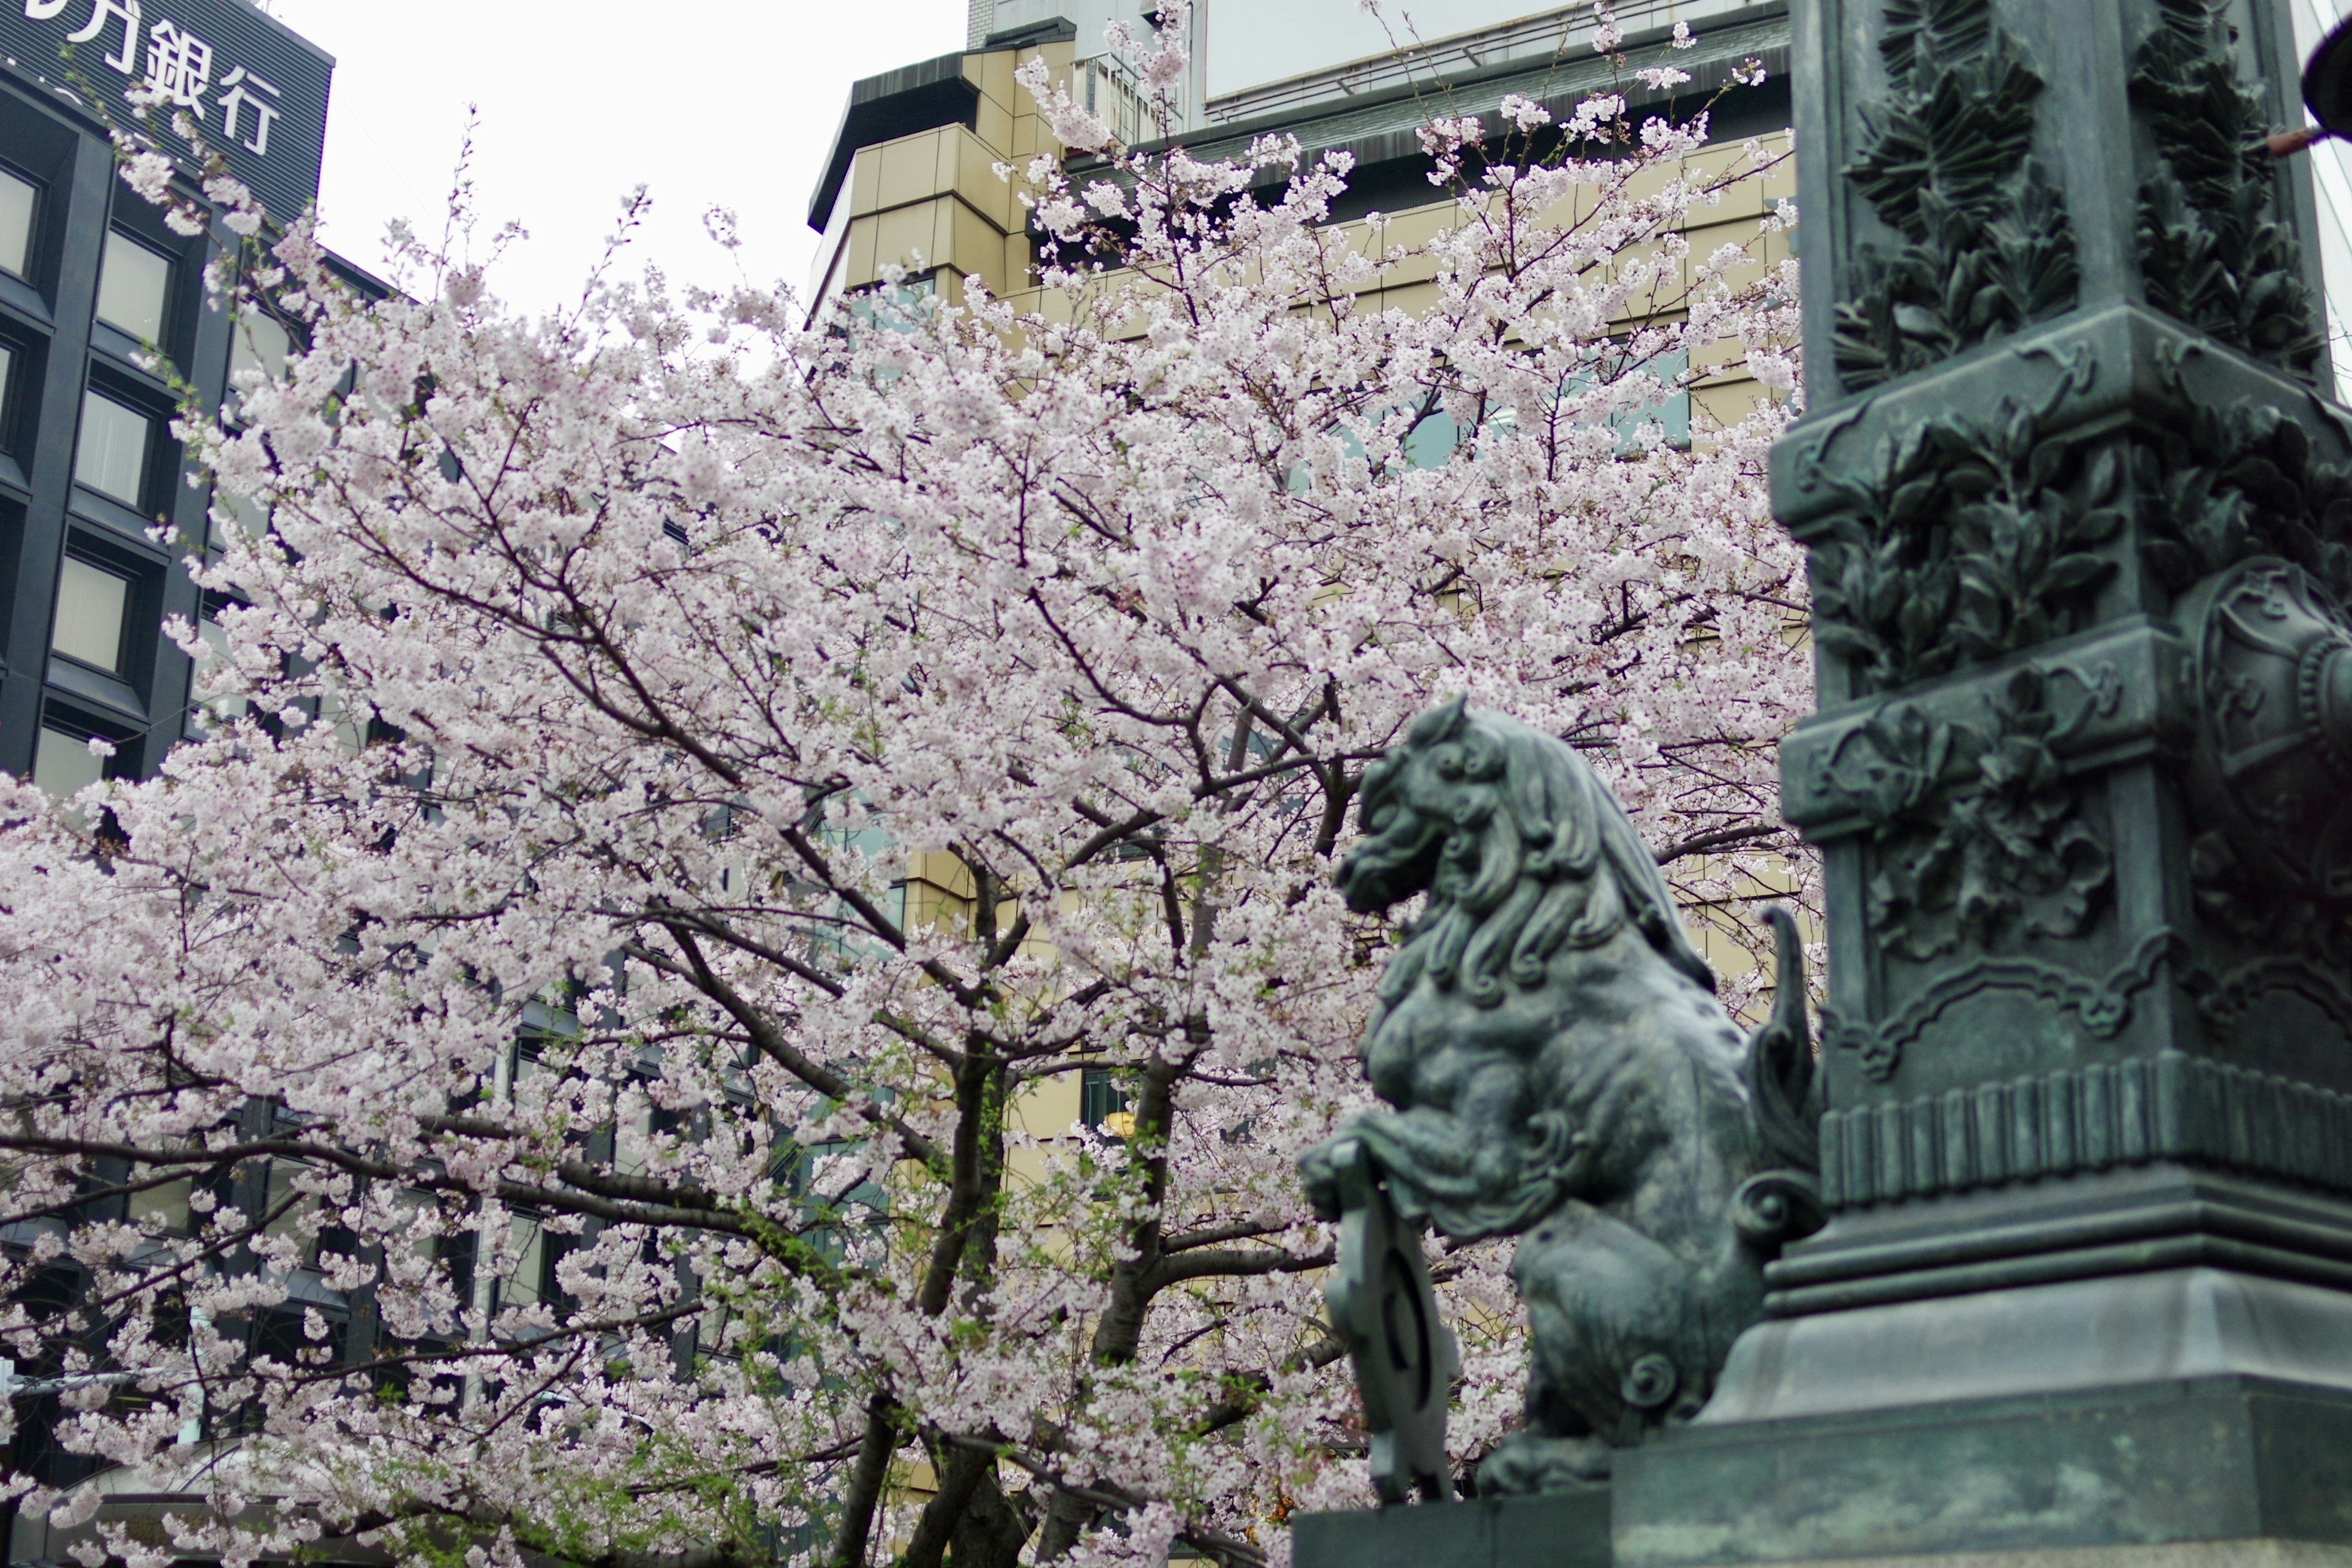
{"x": 14, "y": 355}
{"x": 70, "y": 720}
{"x": 164, "y": 305}
{"x": 106, "y": 391}
{"x": 28, "y": 274}
{"x": 68, "y": 559}
{"x": 241, "y": 351}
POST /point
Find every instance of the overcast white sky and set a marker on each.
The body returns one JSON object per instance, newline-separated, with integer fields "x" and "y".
{"x": 707, "y": 101}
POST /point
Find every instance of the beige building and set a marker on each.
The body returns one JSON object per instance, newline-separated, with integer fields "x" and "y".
{"x": 910, "y": 178}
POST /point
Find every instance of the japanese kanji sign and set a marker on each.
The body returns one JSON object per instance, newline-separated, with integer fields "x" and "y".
{"x": 255, "y": 91}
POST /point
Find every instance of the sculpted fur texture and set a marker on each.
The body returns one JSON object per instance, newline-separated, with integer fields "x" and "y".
{"x": 1558, "y": 1068}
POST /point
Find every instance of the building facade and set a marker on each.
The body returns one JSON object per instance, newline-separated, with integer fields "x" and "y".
{"x": 909, "y": 179}
{"x": 104, "y": 322}
{"x": 2331, "y": 178}
{"x": 103, "y": 318}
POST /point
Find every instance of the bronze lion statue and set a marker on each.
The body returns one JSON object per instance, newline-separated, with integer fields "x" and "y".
{"x": 1557, "y": 1068}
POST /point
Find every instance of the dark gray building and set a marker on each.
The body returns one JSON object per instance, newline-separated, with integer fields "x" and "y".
{"x": 95, "y": 515}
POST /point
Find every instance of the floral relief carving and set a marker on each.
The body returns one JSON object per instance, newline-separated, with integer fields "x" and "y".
{"x": 1987, "y": 247}
{"x": 1975, "y": 829}
{"x": 1963, "y": 542}
{"x": 2213, "y": 251}
{"x": 2235, "y": 482}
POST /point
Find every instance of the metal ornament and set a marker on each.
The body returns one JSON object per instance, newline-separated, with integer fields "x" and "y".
{"x": 2275, "y": 682}
{"x": 1405, "y": 1357}
{"x": 2327, "y": 81}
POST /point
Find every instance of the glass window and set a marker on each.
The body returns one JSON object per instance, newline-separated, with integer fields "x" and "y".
{"x": 167, "y": 1205}
{"x": 216, "y": 640}
{"x": 290, "y": 1223}
{"x": 1102, "y": 1104}
{"x": 62, "y": 764}
{"x": 112, "y": 456}
{"x": 7, "y": 385}
{"x": 90, "y": 602}
{"x": 16, "y": 206}
{"x": 133, "y": 286}
{"x": 230, "y": 512}
{"x": 258, "y": 341}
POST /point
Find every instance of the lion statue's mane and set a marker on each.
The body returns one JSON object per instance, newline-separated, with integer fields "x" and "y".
{"x": 1538, "y": 856}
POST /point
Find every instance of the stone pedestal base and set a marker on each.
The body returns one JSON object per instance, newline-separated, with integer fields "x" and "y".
{"x": 1573, "y": 1532}
{"x": 1568, "y": 1529}
{"x": 2172, "y": 1419}
{"x": 2157, "y": 1410}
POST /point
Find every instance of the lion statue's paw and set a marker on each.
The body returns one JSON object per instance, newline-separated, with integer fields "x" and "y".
{"x": 1526, "y": 1462}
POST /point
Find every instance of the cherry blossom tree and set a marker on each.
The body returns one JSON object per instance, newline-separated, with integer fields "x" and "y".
{"x": 500, "y": 1092}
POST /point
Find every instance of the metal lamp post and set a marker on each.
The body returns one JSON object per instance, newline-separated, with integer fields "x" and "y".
{"x": 2079, "y": 507}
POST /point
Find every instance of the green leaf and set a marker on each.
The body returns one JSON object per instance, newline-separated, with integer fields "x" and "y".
{"x": 2041, "y": 471}
{"x": 2098, "y": 527}
{"x": 1912, "y": 502}
{"x": 1848, "y": 641}
{"x": 1970, "y": 479}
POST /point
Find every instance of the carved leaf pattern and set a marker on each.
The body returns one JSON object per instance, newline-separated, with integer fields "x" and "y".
{"x": 1987, "y": 245}
{"x": 2238, "y": 481}
{"x": 2211, "y": 249}
{"x": 1975, "y": 828}
{"x": 1964, "y": 542}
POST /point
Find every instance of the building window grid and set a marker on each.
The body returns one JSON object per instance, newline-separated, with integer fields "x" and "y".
{"x": 137, "y": 298}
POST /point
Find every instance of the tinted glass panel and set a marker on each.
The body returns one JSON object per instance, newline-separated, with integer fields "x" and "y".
{"x": 7, "y": 385}
{"x": 258, "y": 343}
{"x": 16, "y": 205}
{"x": 1101, "y": 1104}
{"x": 133, "y": 286}
{"x": 231, "y": 513}
{"x": 167, "y": 1205}
{"x": 62, "y": 762}
{"x": 90, "y": 602}
{"x": 112, "y": 456}
{"x": 216, "y": 637}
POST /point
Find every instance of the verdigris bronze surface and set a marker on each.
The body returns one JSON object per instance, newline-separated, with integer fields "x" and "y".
{"x": 1559, "y": 1070}
{"x": 1406, "y": 1355}
{"x": 2077, "y": 490}
{"x": 2079, "y": 783}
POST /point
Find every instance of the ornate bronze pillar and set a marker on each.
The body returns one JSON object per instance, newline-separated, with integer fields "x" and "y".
{"x": 2079, "y": 504}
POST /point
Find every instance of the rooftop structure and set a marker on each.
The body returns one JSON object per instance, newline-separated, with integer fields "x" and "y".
{"x": 909, "y": 179}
